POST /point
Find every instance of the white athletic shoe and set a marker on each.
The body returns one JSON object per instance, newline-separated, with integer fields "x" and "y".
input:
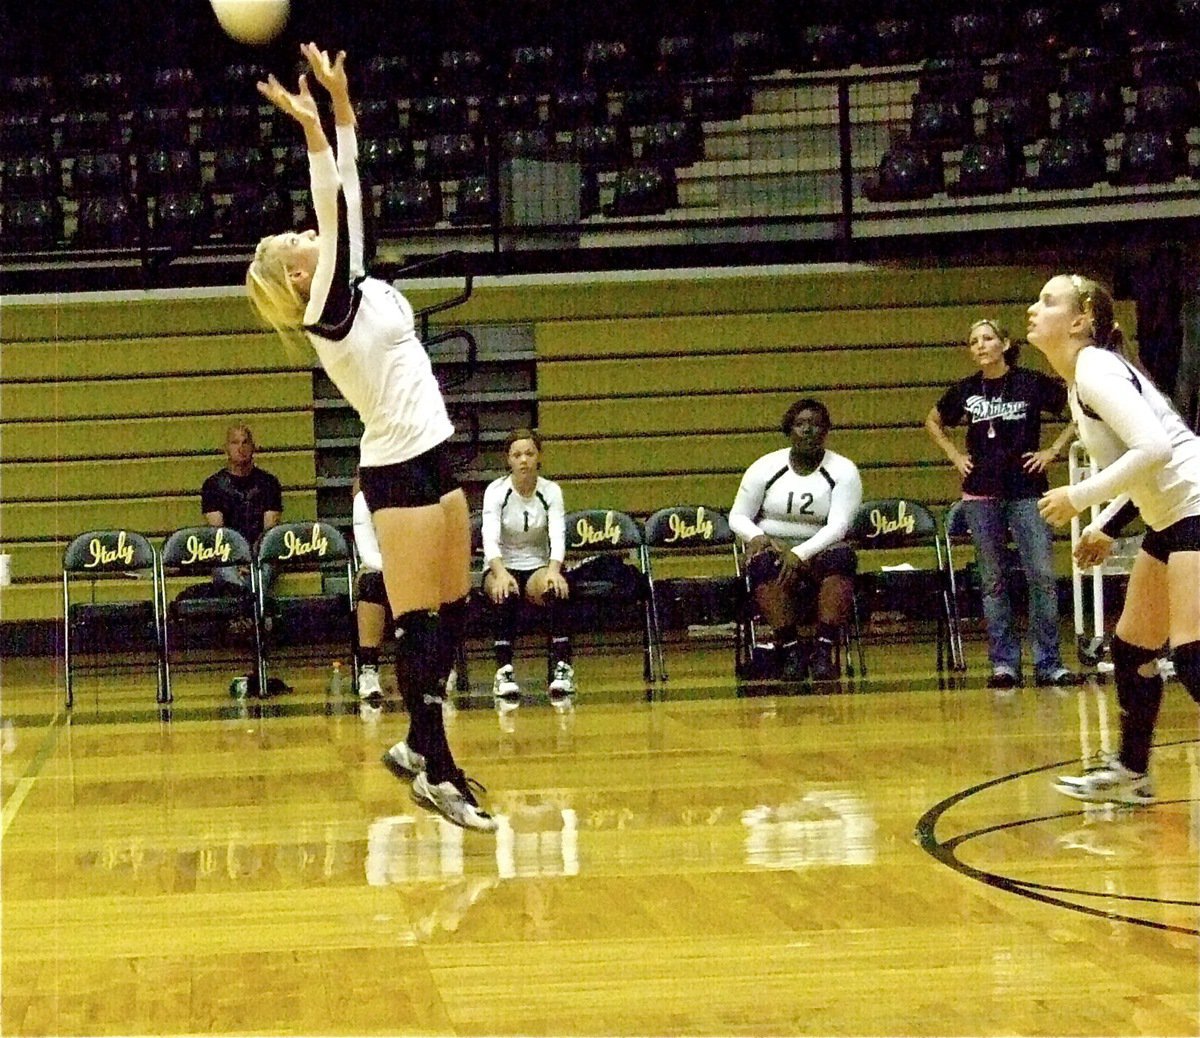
{"x": 1109, "y": 783}
{"x": 504, "y": 685}
{"x": 368, "y": 682}
{"x": 454, "y": 801}
{"x": 563, "y": 682}
{"x": 403, "y": 762}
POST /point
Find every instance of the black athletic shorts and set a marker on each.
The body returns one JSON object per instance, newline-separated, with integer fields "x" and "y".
{"x": 1181, "y": 536}
{"x": 420, "y": 481}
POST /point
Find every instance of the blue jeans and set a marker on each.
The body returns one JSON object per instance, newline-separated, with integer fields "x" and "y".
{"x": 991, "y": 521}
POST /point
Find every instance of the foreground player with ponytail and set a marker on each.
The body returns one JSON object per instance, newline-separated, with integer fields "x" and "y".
{"x": 362, "y": 329}
{"x": 1147, "y": 461}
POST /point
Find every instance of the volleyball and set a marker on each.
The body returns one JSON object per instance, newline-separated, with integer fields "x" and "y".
{"x": 252, "y": 21}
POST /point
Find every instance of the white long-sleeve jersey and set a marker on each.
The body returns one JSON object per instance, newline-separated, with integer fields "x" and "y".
{"x": 809, "y": 512}
{"x": 1141, "y": 448}
{"x": 525, "y": 533}
{"x": 363, "y": 330}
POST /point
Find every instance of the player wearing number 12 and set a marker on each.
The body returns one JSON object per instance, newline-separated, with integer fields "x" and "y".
{"x": 793, "y": 510}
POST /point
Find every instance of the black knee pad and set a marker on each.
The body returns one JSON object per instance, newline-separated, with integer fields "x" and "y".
{"x": 370, "y": 587}
{"x": 1128, "y": 658}
{"x": 1187, "y": 667}
{"x": 418, "y": 648}
{"x": 1134, "y": 689}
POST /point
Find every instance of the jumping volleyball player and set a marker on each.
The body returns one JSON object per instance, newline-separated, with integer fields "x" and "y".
{"x": 363, "y": 332}
{"x": 1147, "y": 461}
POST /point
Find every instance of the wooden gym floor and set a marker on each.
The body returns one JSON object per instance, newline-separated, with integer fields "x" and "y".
{"x": 699, "y": 859}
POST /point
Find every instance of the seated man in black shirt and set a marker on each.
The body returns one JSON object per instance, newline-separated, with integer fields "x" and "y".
{"x": 241, "y": 496}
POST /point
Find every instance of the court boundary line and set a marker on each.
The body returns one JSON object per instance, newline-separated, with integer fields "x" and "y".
{"x": 944, "y": 853}
{"x": 25, "y": 783}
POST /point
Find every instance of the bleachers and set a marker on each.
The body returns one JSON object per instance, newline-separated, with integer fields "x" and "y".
{"x": 649, "y": 389}
{"x": 113, "y": 411}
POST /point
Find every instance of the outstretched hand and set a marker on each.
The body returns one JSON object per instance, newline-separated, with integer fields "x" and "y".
{"x": 330, "y": 74}
{"x": 301, "y": 105}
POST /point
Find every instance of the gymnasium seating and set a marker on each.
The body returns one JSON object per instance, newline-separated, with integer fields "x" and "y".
{"x": 308, "y": 546}
{"x": 108, "y": 557}
{"x": 605, "y": 566}
{"x": 702, "y": 536}
{"x": 907, "y": 531}
{"x": 113, "y": 413}
{"x": 195, "y": 552}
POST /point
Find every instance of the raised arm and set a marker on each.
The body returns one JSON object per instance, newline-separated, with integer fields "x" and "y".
{"x": 332, "y": 76}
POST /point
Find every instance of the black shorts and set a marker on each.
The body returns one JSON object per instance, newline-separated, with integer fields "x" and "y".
{"x": 521, "y": 576}
{"x": 370, "y": 587}
{"x": 1181, "y": 536}
{"x": 837, "y": 560}
{"x": 416, "y": 483}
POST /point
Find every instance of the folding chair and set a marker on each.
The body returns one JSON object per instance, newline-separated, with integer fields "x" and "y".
{"x": 751, "y": 654}
{"x": 694, "y": 531}
{"x": 196, "y": 551}
{"x": 601, "y": 537}
{"x": 111, "y": 555}
{"x": 309, "y": 547}
{"x": 899, "y": 523}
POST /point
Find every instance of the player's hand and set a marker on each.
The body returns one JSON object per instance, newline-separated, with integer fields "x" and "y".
{"x": 330, "y": 74}
{"x": 556, "y": 584}
{"x": 300, "y": 106}
{"x": 964, "y": 464}
{"x": 503, "y": 587}
{"x": 1056, "y": 508}
{"x": 1093, "y": 547}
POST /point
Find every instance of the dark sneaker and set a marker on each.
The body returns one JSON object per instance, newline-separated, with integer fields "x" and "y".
{"x": 793, "y": 662}
{"x": 1060, "y": 678}
{"x": 821, "y": 663}
{"x": 1003, "y": 678}
{"x": 454, "y": 800}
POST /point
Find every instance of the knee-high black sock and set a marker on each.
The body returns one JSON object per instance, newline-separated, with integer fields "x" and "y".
{"x": 418, "y": 640}
{"x": 1139, "y": 698}
{"x": 453, "y": 617}
{"x": 560, "y": 638}
{"x": 504, "y": 629}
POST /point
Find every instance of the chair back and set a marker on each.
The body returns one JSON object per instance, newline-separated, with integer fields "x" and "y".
{"x": 688, "y": 527}
{"x": 201, "y": 549}
{"x": 108, "y": 551}
{"x": 303, "y": 545}
{"x": 894, "y": 522}
{"x": 602, "y": 529}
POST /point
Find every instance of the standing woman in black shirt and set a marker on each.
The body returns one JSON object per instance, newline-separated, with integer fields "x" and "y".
{"x": 1004, "y": 474}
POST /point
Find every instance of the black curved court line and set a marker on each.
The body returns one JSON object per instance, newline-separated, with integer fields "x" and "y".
{"x": 945, "y": 854}
{"x": 953, "y": 844}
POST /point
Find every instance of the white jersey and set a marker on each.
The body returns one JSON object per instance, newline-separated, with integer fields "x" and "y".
{"x": 525, "y": 533}
{"x": 1142, "y": 449}
{"x": 809, "y": 512}
{"x": 369, "y": 555}
{"x": 363, "y": 329}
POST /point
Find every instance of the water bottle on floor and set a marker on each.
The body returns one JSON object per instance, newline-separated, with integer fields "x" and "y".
{"x": 336, "y": 679}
